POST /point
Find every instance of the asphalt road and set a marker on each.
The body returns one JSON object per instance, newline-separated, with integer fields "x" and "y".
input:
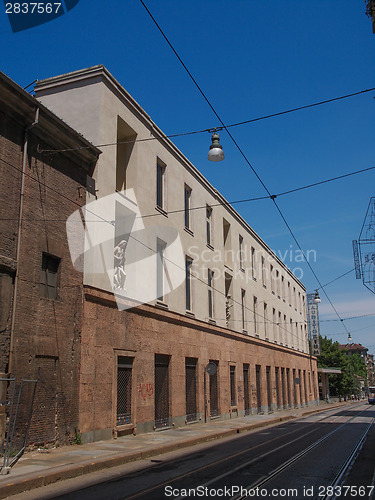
{"x": 321, "y": 456}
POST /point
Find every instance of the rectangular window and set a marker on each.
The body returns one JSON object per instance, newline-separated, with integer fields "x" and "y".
{"x": 160, "y": 256}
{"x": 253, "y": 271}
{"x": 263, "y": 272}
{"x": 289, "y": 294}
{"x": 243, "y": 309}
{"x": 124, "y": 390}
{"x": 232, "y": 373}
{"x": 272, "y": 280}
{"x": 227, "y": 244}
{"x": 210, "y": 278}
{"x": 279, "y": 338}
{"x": 160, "y": 184}
{"x": 48, "y": 276}
{"x": 209, "y": 225}
{"x": 283, "y": 288}
{"x": 240, "y": 248}
{"x": 188, "y": 283}
{"x": 187, "y": 198}
{"x": 278, "y": 283}
{"x": 255, "y": 313}
{"x": 265, "y": 317}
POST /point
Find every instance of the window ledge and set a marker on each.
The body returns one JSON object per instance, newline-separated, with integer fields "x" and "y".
{"x": 190, "y": 314}
{"x": 208, "y": 245}
{"x": 161, "y": 210}
{"x": 211, "y": 321}
{"x": 161, "y": 304}
{"x": 189, "y": 231}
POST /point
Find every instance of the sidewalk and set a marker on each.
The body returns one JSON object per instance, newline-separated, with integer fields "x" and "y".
{"x": 39, "y": 468}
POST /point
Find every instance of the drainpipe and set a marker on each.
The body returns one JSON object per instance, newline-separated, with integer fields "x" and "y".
{"x": 18, "y": 251}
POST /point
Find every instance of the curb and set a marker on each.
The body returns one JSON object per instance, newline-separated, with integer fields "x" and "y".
{"x": 70, "y": 471}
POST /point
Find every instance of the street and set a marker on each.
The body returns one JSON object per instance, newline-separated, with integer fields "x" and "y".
{"x": 324, "y": 455}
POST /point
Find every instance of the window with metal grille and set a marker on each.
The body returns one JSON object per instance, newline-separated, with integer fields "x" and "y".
{"x": 258, "y": 388}
{"x": 161, "y": 390}
{"x": 232, "y": 373}
{"x": 124, "y": 390}
{"x": 288, "y": 387}
{"x": 214, "y": 392}
{"x": 277, "y": 375}
{"x": 191, "y": 389}
{"x": 283, "y": 389}
{"x": 246, "y": 388}
{"x": 269, "y": 389}
{"x": 48, "y": 276}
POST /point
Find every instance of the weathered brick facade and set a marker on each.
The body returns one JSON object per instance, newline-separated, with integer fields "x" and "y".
{"x": 40, "y": 337}
{"x": 145, "y": 331}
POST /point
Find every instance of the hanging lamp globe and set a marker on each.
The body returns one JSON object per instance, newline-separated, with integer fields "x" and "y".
{"x": 216, "y": 152}
{"x": 317, "y": 299}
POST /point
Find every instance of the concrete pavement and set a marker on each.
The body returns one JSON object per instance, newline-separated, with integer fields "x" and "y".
{"x": 40, "y": 468}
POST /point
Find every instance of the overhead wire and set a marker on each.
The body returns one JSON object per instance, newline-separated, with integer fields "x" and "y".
{"x": 101, "y": 219}
{"x": 244, "y": 157}
{"x": 247, "y": 200}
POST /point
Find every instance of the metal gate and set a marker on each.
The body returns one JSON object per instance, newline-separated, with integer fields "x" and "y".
{"x": 232, "y": 375}
{"x": 269, "y": 390}
{"x": 214, "y": 393}
{"x": 16, "y": 406}
{"x": 277, "y": 375}
{"x": 283, "y": 388}
{"x": 124, "y": 390}
{"x": 161, "y": 391}
{"x": 288, "y": 388}
{"x": 259, "y": 394}
{"x": 246, "y": 389}
{"x": 191, "y": 389}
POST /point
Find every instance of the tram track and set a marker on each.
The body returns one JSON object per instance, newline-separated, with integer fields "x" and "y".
{"x": 334, "y": 484}
{"x": 237, "y": 456}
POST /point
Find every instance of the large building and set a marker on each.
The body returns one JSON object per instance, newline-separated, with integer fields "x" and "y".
{"x": 187, "y": 314}
{"x": 40, "y": 291}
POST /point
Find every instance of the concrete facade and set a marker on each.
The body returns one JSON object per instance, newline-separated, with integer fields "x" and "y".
{"x": 238, "y": 307}
{"x": 40, "y": 321}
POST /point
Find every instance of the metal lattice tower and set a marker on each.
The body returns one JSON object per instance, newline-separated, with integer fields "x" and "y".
{"x": 364, "y": 249}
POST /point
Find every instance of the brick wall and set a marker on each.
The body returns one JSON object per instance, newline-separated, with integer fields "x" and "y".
{"x": 46, "y": 337}
{"x": 145, "y": 331}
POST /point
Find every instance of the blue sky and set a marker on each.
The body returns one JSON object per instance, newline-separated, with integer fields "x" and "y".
{"x": 251, "y": 58}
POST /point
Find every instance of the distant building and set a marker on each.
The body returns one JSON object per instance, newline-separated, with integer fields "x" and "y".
{"x": 40, "y": 291}
{"x": 237, "y": 309}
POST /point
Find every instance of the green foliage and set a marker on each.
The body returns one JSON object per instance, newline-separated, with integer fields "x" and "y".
{"x": 78, "y": 438}
{"x": 352, "y": 368}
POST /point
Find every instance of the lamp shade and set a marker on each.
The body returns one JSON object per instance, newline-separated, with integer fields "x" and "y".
{"x": 216, "y": 152}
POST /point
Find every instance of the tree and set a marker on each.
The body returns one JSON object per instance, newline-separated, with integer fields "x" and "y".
{"x": 352, "y": 368}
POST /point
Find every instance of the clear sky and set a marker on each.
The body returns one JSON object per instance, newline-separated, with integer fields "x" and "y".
{"x": 251, "y": 58}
